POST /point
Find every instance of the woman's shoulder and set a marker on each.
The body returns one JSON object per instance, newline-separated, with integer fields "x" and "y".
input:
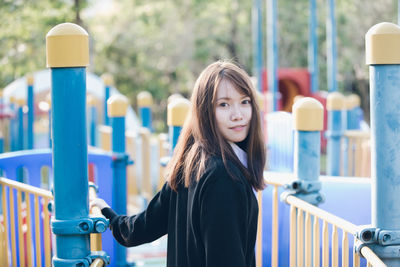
{"x": 216, "y": 173}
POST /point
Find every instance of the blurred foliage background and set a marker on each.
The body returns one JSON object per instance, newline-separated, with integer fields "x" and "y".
{"x": 162, "y": 45}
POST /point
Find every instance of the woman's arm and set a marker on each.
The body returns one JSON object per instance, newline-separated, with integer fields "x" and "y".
{"x": 144, "y": 227}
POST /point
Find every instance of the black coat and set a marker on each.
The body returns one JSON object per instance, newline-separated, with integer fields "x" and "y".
{"x": 211, "y": 223}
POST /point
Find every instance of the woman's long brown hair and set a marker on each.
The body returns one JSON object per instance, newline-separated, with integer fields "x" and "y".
{"x": 200, "y": 138}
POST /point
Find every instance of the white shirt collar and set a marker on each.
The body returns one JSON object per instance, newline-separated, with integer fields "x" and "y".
{"x": 240, "y": 153}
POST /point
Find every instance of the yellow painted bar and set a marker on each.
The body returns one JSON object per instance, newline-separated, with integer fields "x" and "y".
{"x": 3, "y": 247}
{"x": 259, "y": 231}
{"x": 325, "y": 245}
{"x": 316, "y": 245}
{"x": 345, "y": 250}
{"x": 5, "y": 220}
{"x": 95, "y": 239}
{"x": 300, "y": 238}
{"x": 369, "y": 264}
{"x": 105, "y": 137}
{"x": 12, "y": 222}
{"x": 326, "y": 216}
{"x": 308, "y": 251}
{"x": 97, "y": 263}
{"x": 292, "y": 236}
{"x": 372, "y": 258}
{"x": 350, "y": 157}
{"x": 131, "y": 174}
{"x": 275, "y": 227}
{"x": 26, "y": 188}
{"x": 21, "y": 242}
{"x": 356, "y": 257}
{"x": 146, "y": 176}
{"x": 163, "y": 152}
{"x": 37, "y": 232}
{"x": 335, "y": 246}
{"x": 46, "y": 229}
{"x": 29, "y": 229}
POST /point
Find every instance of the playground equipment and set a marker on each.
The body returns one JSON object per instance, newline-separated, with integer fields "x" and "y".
{"x": 72, "y": 224}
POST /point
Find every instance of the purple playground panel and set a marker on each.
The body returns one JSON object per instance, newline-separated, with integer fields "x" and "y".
{"x": 347, "y": 198}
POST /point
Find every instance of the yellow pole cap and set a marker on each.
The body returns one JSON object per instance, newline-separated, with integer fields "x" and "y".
{"x": 13, "y": 99}
{"x": 108, "y": 79}
{"x": 67, "y": 45}
{"x": 30, "y": 79}
{"x": 260, "y": 100}
{"x": 382, "y": 43}
{"x": 1, "y": 93}
{"x": 335, "y": 101}
{"x": 173, "y": 97}
{"x": 117, "y": 106}
{"x": 297, "y": 98}
{"x": 178, "y": 110}
{"x": 144, "y": 99}
{"x": 21, "y": 102}
{"x": 91, "y": 100}
{"x": 353, "y": 101}
{"x": 308, "y": 115}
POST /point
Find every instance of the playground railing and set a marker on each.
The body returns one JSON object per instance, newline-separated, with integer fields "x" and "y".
{"x": 305, "y": 235}
{"x": 25, "y": 223}
{"x": 358, "y": 153}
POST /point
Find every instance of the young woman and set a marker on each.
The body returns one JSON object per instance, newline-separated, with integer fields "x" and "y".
{"x": 207, "y": 206}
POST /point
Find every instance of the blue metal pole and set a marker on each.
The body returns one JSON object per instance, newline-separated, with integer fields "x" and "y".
{"x": 93, "y": 123}
{"x": 20, "y": 128}
{"x": 50, "y": 126}
{"x": 384, "y": 61}
{"x": 258, "y": 59}
{"x": 30, "y": 112}
{"x": 106, "y": 97}
{"x": 145, "y": 115}
{"x": 71, "y": 223}
{"x": 308, "y": 117}
{"x": 272, "y": 52}
{"x": 117, "y": 106}
{"x": 145, "y": 101}
{"x": 177, "y": 112}
{"x": 70, "y": 159}
{"x": 331, "y": 47}
{"x": 313, "y": 47}
{"x": 334, "y": 134}
{"x": 12, "y": 131}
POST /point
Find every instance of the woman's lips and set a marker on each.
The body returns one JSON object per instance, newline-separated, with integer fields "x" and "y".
{"x": 238, "y": 128}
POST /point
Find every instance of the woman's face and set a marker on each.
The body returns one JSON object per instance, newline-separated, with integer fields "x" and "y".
{"x": 232, "y": 112}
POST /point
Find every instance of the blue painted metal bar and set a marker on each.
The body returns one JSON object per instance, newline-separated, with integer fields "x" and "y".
{"x": 173, "y": 135}
{"x": 13, "y": 144}
{"x": 258, "y": 58}
{"x": 334, "y": 134}
{"x": 385, "y": 152}
{"x": 70, "y": 161}
{"x": 272, "y": 52}
{"x": 307, "y": 155}
{"x": 331, "y": 47}
{"x": 20, "y": 128}
{"x": 50, "y": 142}
{"x": 119, "y": 178}
{"x": 145, "y": 115}
{"x": 106, "y": 97}
{"x": 313, "y": 46}
{"x": 30, "y": 116}
{"x": 93, "y": 123}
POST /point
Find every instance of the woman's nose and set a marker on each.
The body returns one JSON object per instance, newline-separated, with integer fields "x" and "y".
{"x": 236, "y": 114}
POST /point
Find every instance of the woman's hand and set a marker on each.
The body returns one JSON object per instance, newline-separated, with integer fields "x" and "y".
{"x": 98, "y": 202}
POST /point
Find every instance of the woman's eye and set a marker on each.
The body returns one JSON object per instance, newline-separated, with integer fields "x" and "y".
{"x": 246, "y": 101}
{"x": 223, "y": 104}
